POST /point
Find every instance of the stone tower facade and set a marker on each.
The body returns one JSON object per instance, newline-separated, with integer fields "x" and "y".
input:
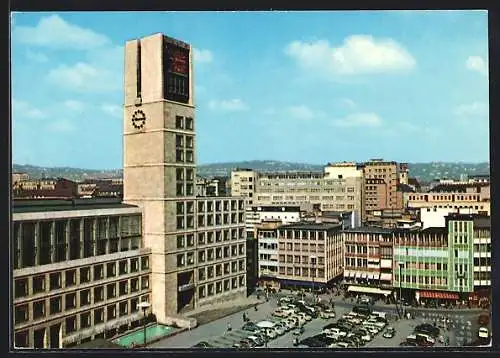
{"x": 159, "y": 155}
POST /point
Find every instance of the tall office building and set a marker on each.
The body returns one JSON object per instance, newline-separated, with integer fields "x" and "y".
{"x": 159, "y": 176}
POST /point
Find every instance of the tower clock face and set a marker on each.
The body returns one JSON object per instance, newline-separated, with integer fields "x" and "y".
{"x": 139, "y": 119}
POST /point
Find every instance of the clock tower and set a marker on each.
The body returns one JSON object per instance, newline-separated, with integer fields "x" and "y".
{"x": 159, "y": 156}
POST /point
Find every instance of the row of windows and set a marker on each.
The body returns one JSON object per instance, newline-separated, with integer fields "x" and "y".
{"x": 302, "y": 271}
{"x": 209, "y": 272}
{"x": 302, "y": 234}
{"x": 302, "y": 247}
{"x": 79, "y": 299}
{"x": 302, "y": 259}
{"x": 425, "y": 280}
{"x": 55, "y": 280}
{"x": 220, "y": 219}
{"x": 210, "y": 255}
{"x": 220, "y": 205}
{"x": 87, "y": 237}
{"x": 218, "y": 287}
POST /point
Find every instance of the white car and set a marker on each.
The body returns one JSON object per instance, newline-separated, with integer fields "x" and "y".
{"x": 366, "y": 338}
{"x": 335, "y": 332}
{"x": 271, "y": 333}
{"x": 355, "y": 320}
{"x": 280, "y": 313}
{"x": 301, "y": 319}
{"x": 483, "y": 332}
{"x": 342, "y": 345}
{"x": 376, "y": 323}
{"x": 373, "y": 330}
{"x": 279, "y": 330}
{"x": 327, "y": 313}
{"x": 306, "y": 316}
{"x": 256, "y": 341}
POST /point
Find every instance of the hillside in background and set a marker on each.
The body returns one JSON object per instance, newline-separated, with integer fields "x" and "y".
{"x": 423, "y": 171}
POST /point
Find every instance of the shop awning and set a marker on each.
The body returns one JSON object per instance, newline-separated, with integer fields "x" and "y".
{"x": 439, "y": 295}
{"x": 372, "y": 290}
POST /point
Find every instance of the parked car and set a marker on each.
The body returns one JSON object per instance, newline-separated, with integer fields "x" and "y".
{"x": 408, "y": 344}
{"x": 256, "y": 341}
{"x": 342, "y": 345}
{"x": 389, "y": 333}
{"x": 202, "y": 344}
{"x": 483, "y": 319}
{"x": 335, "y": 332}
{"x": 279, "y": 330}
{"x": 280, "y": 313}
{"x": 245, "y": 343}
{"x": 427, "y": 328}
{"x": 271, "y": 333}
{"x": 327, "y": 313}
{"x": 420, "y": 339}
{"x": 376, "y": 323}
{"x": 483, "y": 333}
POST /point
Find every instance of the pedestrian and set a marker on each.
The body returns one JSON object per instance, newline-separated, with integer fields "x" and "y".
{"x": 229, "y": 328}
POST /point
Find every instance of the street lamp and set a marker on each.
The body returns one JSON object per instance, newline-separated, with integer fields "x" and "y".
{"x": 401, "y": 264}
{"x": 144, "y": 306}
{"x": 460, "y": 276}
{"x": 311, "y": 258}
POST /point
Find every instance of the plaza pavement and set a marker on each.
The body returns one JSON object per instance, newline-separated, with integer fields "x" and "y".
{"x": 217, "y": 329}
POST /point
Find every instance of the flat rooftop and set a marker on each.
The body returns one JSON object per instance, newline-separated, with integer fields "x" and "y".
{"x": 43, "y": 205}
{"x": 310, "y": 226}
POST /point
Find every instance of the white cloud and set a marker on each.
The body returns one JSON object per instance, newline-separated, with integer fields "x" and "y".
{"x": 231, "y": 105}
{"x": 54, "y": 32}
{"x": 84, "y": 77}
{"x": 474, "y": 109}
{"x": 348, "y": 103}
{"x": 357, "y": 55}
{"x": 202, "y": 56}
{"x": 112, "y": 110}
{"x": 74, "y": 105}
{"x": 301, "y": 112}
{"x": 36, "y": 56}
{"x": 25, "y": 109}
{"x": 359, "y": 120}
{"x": 478, "y": 64}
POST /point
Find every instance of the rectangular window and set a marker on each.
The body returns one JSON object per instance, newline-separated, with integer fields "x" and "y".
{"x": 84, "y": 275}
{"x": 179, "y": 122}
{"x": 70, "y": 301}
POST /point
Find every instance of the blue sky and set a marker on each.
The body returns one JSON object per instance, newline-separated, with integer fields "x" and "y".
{"x": 310, "y": 87}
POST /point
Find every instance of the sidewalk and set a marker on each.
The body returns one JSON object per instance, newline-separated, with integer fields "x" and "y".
{"x": 383, "y": 306}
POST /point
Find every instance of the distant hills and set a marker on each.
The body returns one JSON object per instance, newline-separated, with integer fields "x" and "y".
{"x": 423, "y": 171}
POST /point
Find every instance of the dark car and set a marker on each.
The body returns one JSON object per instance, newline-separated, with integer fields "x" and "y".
{"x": 249, "y": 326}
{"x": 483, "y": 319}
{"x": 202, "y": 344}
{"x": 245, "y": 343}
{"x": 362, "y": 309}
{"x": 331, "y": 325}
{"x": 313, "y": 342}
{"x": 427, "y": 328}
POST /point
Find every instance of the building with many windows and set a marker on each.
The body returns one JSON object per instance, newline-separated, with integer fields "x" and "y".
{"x": 310, "y": 255}
{"x": 368, "y": 256}
{"x": 255, "y": 215}
{"x": 447, "y": 263}
{"x": 449, "y": 200}
{"x": 80, "y": 269}
{"x": 197, "y": 244}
